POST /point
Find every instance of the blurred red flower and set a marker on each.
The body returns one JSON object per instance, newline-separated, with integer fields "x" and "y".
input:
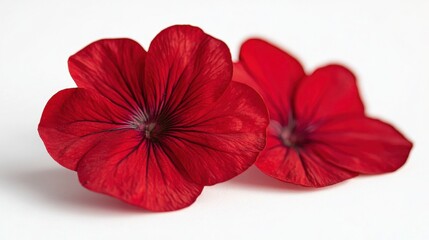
{"x": 318, "y": 133}
{"x": 152, "y": 128}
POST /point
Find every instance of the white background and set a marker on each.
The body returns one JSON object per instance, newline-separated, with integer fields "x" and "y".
{"x": 386, "y": 43}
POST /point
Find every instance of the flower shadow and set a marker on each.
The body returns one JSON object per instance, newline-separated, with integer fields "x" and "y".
{"x": 60, "y": 189}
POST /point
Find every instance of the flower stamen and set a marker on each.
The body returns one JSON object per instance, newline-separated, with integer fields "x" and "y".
{"x": 288, "y": 135}
{"x": 148, "y": 129}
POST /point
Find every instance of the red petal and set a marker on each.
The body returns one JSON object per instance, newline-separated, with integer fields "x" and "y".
{"x": 76, "y": 119}
{"x": 276, "y": 72}
{"x": 112, "y": 67}
{"x": 137, "y": 172}
{"x": 225, "y": 141}
{"x": 299, "y": 166}
{"x": 240, "y": 74}
{"x": 186, "y": 70}
{"x": 361, "y": 144}
{"x": 281, "y": 162}
{"x": 330, "y": 91}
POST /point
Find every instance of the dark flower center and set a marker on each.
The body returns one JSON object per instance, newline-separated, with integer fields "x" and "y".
{"x": 289, "y": 135}
{"x": 149, "y": 129}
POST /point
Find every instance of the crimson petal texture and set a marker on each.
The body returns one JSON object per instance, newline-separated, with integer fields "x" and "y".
{"x": 318, "y": 133}
{"x": 230, "y": 132}
{"x": 186, "y": 70}
{"x": 74, "y": 120}
{"x": 304, "y": 167}
{"x": 113, "y": 68}
{"x": 361, "y": 144}
{"x": 137, "y": 172}
{"x": 275, "y": 72}
{"x": 154, "y": 129}
{"x": 330, "y": 91}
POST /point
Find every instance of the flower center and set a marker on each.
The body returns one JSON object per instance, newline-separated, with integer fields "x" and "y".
{"x": 148, "y": 128}
{"x": 288, "y": 135}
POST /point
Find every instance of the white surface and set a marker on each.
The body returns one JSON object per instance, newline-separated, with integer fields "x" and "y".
{"x": 385, "y": 42}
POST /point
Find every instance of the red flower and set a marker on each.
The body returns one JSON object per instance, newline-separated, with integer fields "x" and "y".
{"x": 152, "y": 128}
{"x": 318, "y": 133}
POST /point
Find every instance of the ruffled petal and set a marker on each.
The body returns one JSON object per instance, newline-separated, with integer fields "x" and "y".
{"x": 224, "y": 141}
{"x": 186, "y": 70}
{"x": 361, "y": 144}
{"x": 76, "y": 119}
{"x": 300, "y": 166}
{"x": 331, "y": 91}
{"x": 138, "y": 172}
{"x": 114, "y": 68}
{"x": 276, "y": 73}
